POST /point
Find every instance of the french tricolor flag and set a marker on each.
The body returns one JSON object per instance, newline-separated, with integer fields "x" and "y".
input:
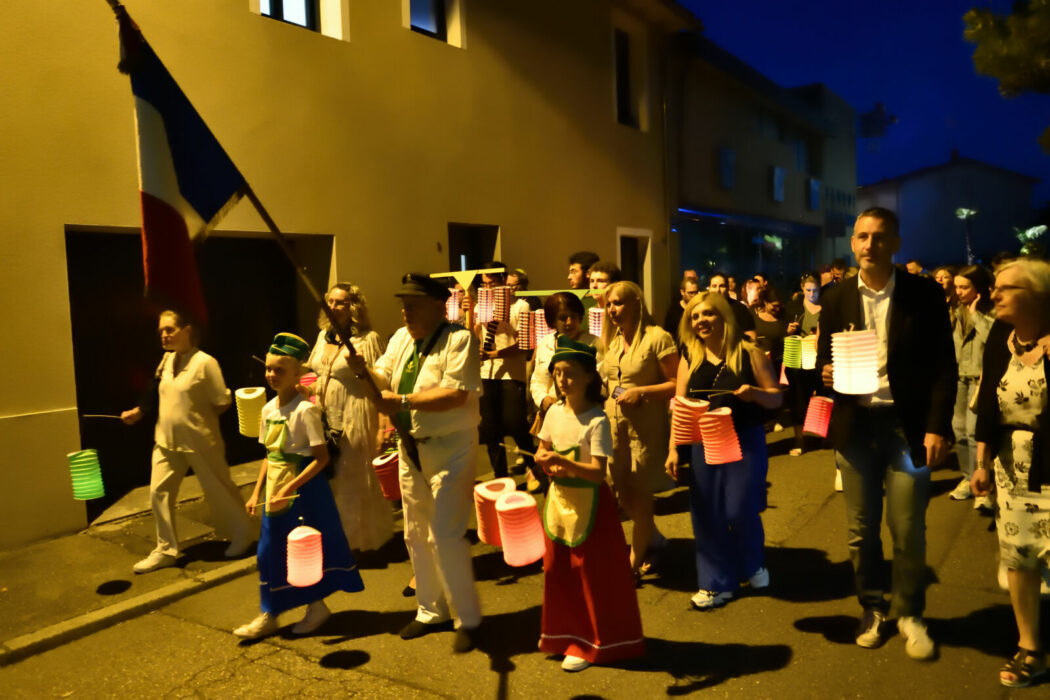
{"x": 186, "y": 180}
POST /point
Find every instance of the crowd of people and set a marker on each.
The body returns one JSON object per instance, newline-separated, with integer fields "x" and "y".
{"x": 961, "y": 357}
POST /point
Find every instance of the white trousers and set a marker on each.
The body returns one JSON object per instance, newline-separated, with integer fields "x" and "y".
{"x": 228, "y": 515}
{"x": 438, "y": 502}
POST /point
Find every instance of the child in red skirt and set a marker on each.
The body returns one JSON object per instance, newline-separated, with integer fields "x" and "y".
{"x": 590, "y": 608}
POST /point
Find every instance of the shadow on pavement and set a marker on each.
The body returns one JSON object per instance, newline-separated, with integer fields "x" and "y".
{"x": 698, "y": 665}
{"x": 345, "y": 659}
{"x": 671, "y": 503}
{"x": 354, "y": 624}
{"x": 839, "y": 629}
{"x": 392, "y": 552}
{"x": 805, "y": 575}
{"x": 990, "y": 630}
{"x": 490, "y": 566}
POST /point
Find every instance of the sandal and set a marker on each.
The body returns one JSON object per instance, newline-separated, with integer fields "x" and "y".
{"x": 1023, "y": 671}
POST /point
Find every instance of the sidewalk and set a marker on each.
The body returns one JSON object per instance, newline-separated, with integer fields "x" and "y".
{"x": 57, "y": 590}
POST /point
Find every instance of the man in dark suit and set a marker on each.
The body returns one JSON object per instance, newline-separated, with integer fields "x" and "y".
{"x": 891, "y": 438}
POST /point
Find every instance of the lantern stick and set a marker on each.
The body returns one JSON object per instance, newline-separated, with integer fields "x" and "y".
{"x": 99, "y": 415}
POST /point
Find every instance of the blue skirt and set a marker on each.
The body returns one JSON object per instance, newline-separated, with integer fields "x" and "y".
{"x": 317, "y": 508}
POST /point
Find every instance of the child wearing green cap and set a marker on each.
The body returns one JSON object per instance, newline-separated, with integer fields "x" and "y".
{"x": 293, "y": 434}
{"x": 590, "y": 608}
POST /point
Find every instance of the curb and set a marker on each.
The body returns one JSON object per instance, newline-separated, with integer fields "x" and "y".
{"x": 56, "y": 635}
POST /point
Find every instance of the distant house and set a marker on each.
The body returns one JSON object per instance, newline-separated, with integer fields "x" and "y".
{"x": 926, "y": 201}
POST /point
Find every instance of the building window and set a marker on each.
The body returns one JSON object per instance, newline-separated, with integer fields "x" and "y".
{"x": 630, "y": 92}
{"x": 726, "y": 168}
{"x": 801, "y": 156}
{"x": 304, "y": 13}
{"x": 813, "y": 200}
{"x": 428, "y": 17}
{"x": 778, "y": 183}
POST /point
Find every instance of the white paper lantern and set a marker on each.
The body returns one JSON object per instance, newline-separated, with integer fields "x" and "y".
{"x": 809, "y": 352}
{"x": 855, "y": 360}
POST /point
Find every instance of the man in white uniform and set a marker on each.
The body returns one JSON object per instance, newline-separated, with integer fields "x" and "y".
{"x": 431, "y": 380}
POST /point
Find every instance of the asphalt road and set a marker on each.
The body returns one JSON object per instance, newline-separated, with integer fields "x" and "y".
{"x": 793, "y": 640}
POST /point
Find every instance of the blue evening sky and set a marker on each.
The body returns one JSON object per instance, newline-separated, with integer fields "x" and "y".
{"x": 909, "y": 55}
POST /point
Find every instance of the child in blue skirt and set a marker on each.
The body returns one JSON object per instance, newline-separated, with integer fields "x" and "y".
{"x": 292, "y": 431}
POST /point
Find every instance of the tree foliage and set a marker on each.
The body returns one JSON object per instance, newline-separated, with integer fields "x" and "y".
{"x": 1013, "y": 48}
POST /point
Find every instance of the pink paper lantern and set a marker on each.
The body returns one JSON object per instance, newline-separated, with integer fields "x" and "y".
{"x": 685, "y": 419}
{"x": 526, "y": 331}
{"x": 387, "y": 466}
{"x": 520, "y": 529}
{"x": 305, "y": 560}
{"x": 721, "y": 444}
{"x": 454, "y": 305}
{"x": 818, "y": 416}
{"x": 485, "y": 496}
{"x": 494, "y": 304}
{"x": 595, "y": 319}
{"x": 539, "y": 324}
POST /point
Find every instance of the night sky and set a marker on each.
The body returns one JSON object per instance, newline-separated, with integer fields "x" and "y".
{"x": 909, "y": 55}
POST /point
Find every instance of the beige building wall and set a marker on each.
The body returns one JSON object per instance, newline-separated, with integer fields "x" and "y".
{"x": 379, "y": 141}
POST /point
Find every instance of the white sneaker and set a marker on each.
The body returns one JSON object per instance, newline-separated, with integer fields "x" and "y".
{"x": 574, "y": 663}
{"x": 917, "y": 642}
{"x": 262, "y": 626}
{"x": 155, "y": 560}
{"x": 838, "y": 480}
{"x": 962, "y": 491}
{"x": 868, "y": 634}
{"x": 317, "y": 613}
{"x": 985, "y": 504}
{"x": 759, "y": 579}
{"x": 709, "y": 600}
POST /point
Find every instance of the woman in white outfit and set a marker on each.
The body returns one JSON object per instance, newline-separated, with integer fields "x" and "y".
{"x": 191, "y": 394}
{"x": 368, "y": 519}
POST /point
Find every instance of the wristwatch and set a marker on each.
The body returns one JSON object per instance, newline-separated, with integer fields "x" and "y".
{"x": 406, "y": 405}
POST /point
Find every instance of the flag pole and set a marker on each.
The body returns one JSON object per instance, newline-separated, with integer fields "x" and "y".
{"x": 282, "y": 241}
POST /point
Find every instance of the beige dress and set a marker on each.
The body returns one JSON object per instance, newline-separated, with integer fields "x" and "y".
{"x": 368, "y": 519}
{"x": 640, "y": 432}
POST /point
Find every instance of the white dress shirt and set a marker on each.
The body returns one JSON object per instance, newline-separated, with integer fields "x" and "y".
{"x": 876, "y": 307}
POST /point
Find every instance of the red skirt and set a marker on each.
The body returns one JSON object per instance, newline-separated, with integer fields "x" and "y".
{"x": 590, "y": 607}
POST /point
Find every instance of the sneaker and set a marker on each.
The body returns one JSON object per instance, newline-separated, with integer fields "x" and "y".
{"x": 573, "y": 664}
{"x": 317, "y": 613}
{"x": 917, "y": 642}
{"x": 868, "y": 634}
{"x": 155, "y": 560}
{"x": 838, "y": 481}
{"x": 466, "y": 640}
{"x": 709, "y": 600}
{"x": 417, "y": 629}
{"x": 759, "y": 579}
{"x": 962, "y": 492}
{"x": 262, "y": 626}
{"x": 985, "y": 504}
{"x": 795, "y": 452}
{"x": 236, "y": 550}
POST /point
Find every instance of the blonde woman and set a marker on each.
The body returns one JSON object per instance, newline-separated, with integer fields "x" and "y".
{"x": 725, "y": 500}
{"x": 639, "y": 371}
{"x": 1013, "y": 421}
{"x": 368, "y": 520}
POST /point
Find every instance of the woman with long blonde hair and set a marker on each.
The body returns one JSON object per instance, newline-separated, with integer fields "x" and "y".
{"x": 725, "y": 500}
{"x": 368, "y": 519}
{"x": 638, "y": 370}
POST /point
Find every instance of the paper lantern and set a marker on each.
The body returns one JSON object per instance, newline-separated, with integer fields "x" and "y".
{"x": 685, "y": 419}
{"x": 793, "y": 352}
{"x": 855, "y": 360}
{"x": 387, "y": 466}
{"x": 86, "y": 474}
{"x": 520, "y": 529}
{"x": 539, "y": 324}
{"x": 250, "y": 401}
{"x": 721, "y": 444}
{"x": 454, "y": 305}
{"x": 818, "y": 416}
{"x": 305, "y": 559}
{"x": 526, "y": 331}
{"x": 595, "y": 319}
{"x": 809, "y": 352}
{"x": 494, "y": 304}
{"x": 485, "y": 496}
